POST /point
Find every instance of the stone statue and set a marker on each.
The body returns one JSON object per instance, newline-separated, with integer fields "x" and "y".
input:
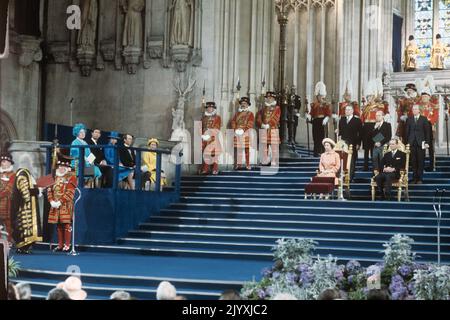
{"x": 133, "y": 28}
{"x": 88, "y": 31}
{"x": 181, "y": 22}
{"x": 178, "y": 112}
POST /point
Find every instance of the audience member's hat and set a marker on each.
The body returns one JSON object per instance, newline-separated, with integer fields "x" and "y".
{"x": 78, "y": 128}
{"x": 211, "y": 105}
{"x": 271, "y": 94}
{"x": 245, "y": 99}
{"x": 73, "y": 287}
{"x": 7, "y": 157}
{"x": 426, "y": 92}
{"x": 153, "y": 140}
{"x": 114, "y": 135}
{"x": 328, "y": 140}
{"x": 411, "y": 86}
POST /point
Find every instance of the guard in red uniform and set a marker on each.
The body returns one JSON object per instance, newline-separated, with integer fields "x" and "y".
{"x": 7, "y": 178}
{"x": 404, "y": 108}
{"x": 242, "y": 121}
{"x": 320, "y": 115}
{"x": 61, "y": 197}
{"x": 268, "y": 122}
{"x": 211, "y": 147}
{"x": 374, "y": 93}
{"x": 348, "y": 102}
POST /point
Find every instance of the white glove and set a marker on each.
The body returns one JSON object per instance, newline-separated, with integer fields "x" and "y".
{"x": 41, "y": 192}
{"x": 335, "y": 116}
{"x": 404, "y": 118}
{"x": 144, "y": 169}
{"x": 206, "y": 137}
{"x": 265, "y": 126}
{"x": 239, "y": 132}
{"x": 308, "y": 117}
{"x": 387, "y": 118}
{"x": 325, "y": 121}
{"x": 55, "y": 204}
{"x": 298, "y": 115}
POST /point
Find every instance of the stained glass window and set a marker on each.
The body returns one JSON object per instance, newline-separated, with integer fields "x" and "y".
{"x": 444, "y": 20}
{"x": 424, "y": 31}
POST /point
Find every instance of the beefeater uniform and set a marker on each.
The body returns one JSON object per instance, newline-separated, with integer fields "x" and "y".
{"x": 211, "y": 125}
{"x": 268, "y": 122}
{"x": 242, "y": 120}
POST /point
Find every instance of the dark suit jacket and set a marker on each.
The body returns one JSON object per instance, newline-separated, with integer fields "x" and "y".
{"x": 98, "y": 153}
{"x": 418, "y": 132}
{"x": 398, "y": 162}
{"x": 127, "y": 157}
{"x": 351, "y": 132}
{"x": 385, "y": 130}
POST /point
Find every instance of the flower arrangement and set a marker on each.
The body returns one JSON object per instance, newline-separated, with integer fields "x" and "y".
{"x": 13, "y": 268}
{"x": 298, "y": 272}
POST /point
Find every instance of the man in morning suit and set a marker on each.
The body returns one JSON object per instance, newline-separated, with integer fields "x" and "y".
{"x": 392, "y": 164}
{"x": 100, "y": 159}
{"x": 350, "y": 130}
{"x": 418, "y": 136}
{"x": 381, "y": 135}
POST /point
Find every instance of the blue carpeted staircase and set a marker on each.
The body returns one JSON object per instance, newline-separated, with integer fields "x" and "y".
{"x": 221, "y": 232}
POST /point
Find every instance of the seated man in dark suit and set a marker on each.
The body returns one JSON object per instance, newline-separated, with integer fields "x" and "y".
{"x": 100, "y": 159}
{"x": 128, "y": 158}
{"x": 392, "y": 164}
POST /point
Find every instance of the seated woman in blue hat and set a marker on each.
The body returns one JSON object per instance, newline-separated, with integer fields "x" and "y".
{"x": 79, "y": 132}
{"x": 124, "y": 173}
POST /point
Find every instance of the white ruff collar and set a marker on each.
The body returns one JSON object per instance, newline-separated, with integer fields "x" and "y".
{"x": 212, "y": 114}
{"x": 272, "y": 105}
{"x": 413, "y": 96}
{"x": 60, "y": 175}
{"x": 7, "y": 170}
{"x": 243, "y": 110}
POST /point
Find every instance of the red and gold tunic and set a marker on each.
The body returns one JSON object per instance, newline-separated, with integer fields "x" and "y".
{"x": 431, "y": 112}
{"x": 320, "y": 110}
{"x": 245, "y": 121}
{"x": 369, "y": 114}
{"x": 405, "y": 106}
{"x": 6, "y": 189}
{"x": 64, "y": 191}
{"x": 269, "y": 116}
{"x": 211, "y": 126}
{"x": 345, "y": 104}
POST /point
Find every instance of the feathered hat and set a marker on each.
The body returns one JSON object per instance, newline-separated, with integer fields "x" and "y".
{"x": 348, "y": 88}
{"x": 428, "y": 83}
{"x": 379, "y": 87}
{"x": 321, "y": 89}
{"x": 370, "y": 89}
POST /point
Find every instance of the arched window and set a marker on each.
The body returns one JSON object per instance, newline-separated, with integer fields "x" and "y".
{"x": 432, "y": 17}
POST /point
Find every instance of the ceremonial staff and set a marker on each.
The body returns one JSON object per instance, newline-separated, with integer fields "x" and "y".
{"x": 73, "y": 252}
{"x": 447, "y": 111}
{"x": 307, "y": 124}
{"x": 437, "y": 206}
{"x": 335, "y": 121}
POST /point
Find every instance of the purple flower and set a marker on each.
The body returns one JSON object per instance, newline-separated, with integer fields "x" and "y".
{"x": 267, "y": 272}
{"x": 291, "y": 278}
{"x": 353, "y": 266}
{"x": 303, "y": 268}
{"x": 350, "y": 280}
{"x": 269, "y": 292}
{"x": 261, "y": 294}
{"x": 398, "y": 288}
{"x": 276, "y": 275}
{"x": 306, "y": 278}
{"x": 405, "y": 271}
{"x": 339, "y": 275}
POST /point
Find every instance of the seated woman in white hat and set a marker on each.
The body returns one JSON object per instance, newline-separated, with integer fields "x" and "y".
{"x": 330, "y": 161}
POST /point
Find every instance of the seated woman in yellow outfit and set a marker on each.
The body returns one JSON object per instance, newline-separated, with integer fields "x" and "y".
{"x": 149, "y": 164}
{"x": 330, "y": 161}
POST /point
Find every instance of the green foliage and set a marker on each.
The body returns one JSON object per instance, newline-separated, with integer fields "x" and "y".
{"x": 13, "y": 268}
{"x": 432, "y": 283}
{"x": 293, "y": 252}
{"x": 398, "y": 252}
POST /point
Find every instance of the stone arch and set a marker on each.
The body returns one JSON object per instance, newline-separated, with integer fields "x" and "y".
{"x": 8, "y": 131}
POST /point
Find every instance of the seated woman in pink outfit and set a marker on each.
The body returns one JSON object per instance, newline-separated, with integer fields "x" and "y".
{"x": 330, "y": 161}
